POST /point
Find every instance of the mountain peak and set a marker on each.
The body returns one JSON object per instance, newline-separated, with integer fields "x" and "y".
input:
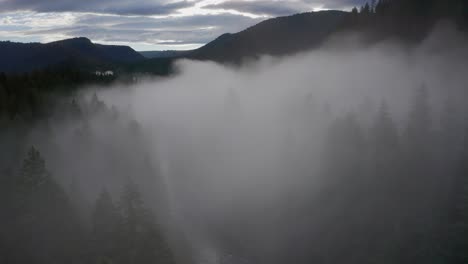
{"x": 78, "y": 40}
{"x": 24, "y": 57}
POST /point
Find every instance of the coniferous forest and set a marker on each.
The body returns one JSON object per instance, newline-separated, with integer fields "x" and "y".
{"x": 342, "y": 154}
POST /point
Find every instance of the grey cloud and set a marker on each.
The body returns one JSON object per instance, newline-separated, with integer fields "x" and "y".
{"x": 198, "y": 29}
{"x": 281, "y": 8}
{"x": 227, "y": 22}
{"x": 108, "y": 23}
{"x": 341, "y": 4}
{"x": 273, "y": 8}
{"x": 119, "y": 7}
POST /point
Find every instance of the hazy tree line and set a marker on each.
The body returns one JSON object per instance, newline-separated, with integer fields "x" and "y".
{"x": 415, "y": 9}
{"x": 408, "y": 20}
{"x": 364, "y": 187}
{"x": 390, "y": 191}
{"x": 397, "y": 191}
{"x": 49, "y": 218}
{"x": 31, "y": 96}
{"x": 380, "y": 191}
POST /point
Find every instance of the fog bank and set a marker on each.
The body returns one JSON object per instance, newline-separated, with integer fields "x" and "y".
{"x": 237, "y": 161}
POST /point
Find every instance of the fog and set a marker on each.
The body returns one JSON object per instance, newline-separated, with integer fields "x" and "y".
{"x": 250, "y": 164}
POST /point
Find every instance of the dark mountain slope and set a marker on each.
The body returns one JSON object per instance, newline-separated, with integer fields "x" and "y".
{"x": 278, "y": 36}
{"x": 407, "y": 20}
{"x": 25, "y": 57}
{"x": 164, "y": 53}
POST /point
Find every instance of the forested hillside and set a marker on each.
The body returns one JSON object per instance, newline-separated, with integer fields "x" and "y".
{"x": 79, "y": 53}
{"x": 409, "y": 21}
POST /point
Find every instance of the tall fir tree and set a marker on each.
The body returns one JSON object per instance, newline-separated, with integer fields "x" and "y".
{"x": 456, "y": 246}
{"x": 144, "y": 241}
{"x": 106, "y": 221}
{"x": 46, "y": 222}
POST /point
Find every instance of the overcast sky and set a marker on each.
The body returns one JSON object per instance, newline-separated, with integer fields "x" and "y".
{"x": 145, "y": 24}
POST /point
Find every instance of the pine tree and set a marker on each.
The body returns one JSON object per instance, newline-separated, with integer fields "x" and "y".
{"x": 385, "y": 184}
{"x": 135, "y": 222}
{"x": 422, "y": 201}
{"x": 96, "y": 105}
{"x": 385, "y": 134}
{"x": 365, "y": 10}
{"x": 105, "y": 215}
{"x": 450, "y": 131}
{"x": 456, "y": 244}
{"x": 33, "y": 173}
{"x": 419, "y": 127}
{"x": 373, "y": 6}
{"x": 46, "y": 212}
{"x": 385, "y": 151}
{"x": 344, "y": 151}
{"x": 381, "y": 7}
{"x": 75, "y": 110}
{"x": 134, "y": 215}
{"x": 77, "y": 198}
{"x": 144, "y": 241}
{"x": 105, "y": 227}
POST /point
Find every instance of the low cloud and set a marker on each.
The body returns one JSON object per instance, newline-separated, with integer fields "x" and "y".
{"x": 270, "y": 8}
{"x": 119, "y": 7}
{"x": 283, "y": 8}
{"x": 275, "y": 144}
{"x": 198, "y": 29}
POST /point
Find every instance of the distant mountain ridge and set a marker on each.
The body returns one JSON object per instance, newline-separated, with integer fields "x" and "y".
{"x": 25, "y": 57}
{"x": 276, "y": 36}
{"x": 407, "y": 20}
{"x": 164, "y": 53}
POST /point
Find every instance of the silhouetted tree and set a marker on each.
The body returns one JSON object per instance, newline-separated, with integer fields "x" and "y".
{"x": 44, "y": 210}
{"x": 106, "y": 222}
{"x": 75, "y": 110}
{"x": 77, "y": 199}
{"x": 456, "y": 231}
{"x": 373, "y": 4}
{"x": 419, "y": 126}
{"x": 365, "y": 9}
{"x": 385, "y": 132}
{"x": 142, "y": 238}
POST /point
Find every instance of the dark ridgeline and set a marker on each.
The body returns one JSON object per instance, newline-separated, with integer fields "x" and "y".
{"x": 390, "y": 195}
{"x": 164, "y": 53}
{"x": 76, "y": 52}
{"x": 277, "y": 36}
{"x": 408, "y": 20}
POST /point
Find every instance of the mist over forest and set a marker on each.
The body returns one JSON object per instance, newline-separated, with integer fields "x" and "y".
{"x": 352, "y": 152}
